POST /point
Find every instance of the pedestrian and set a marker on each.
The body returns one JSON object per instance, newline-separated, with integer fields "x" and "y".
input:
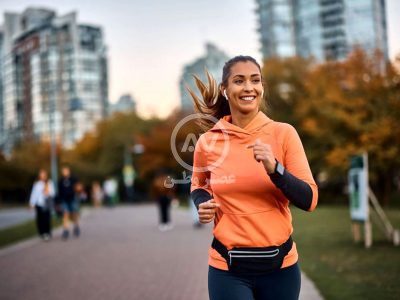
{"x": 110, "y": 187}
{"x": 163, "y": 197}
{"x": 69, "y": 202}
{"x": 80, "y": 193}
{"x": 41, "y": 200}
{"x": 97, "y": 194}
{"x": 247, "y": 170}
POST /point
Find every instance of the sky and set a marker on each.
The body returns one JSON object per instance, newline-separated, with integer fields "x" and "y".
{"x": 149, "y": 42}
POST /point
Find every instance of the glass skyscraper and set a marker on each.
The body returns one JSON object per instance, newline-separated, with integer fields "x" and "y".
{"x": 54, "y": 75}
{"x": 324, "y": 29}
{"x": 277, "y": 28}
{"x": 214, "y": 60}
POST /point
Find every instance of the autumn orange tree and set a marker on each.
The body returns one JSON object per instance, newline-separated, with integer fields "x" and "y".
{"x": 100, "y": 153}
{"x": 159, "y": 145}
{"x": 342, "y": 109}
{"x": 18, "y": 171}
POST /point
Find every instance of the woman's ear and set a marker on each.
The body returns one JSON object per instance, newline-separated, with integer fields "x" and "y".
{"x": 223, "y": 92}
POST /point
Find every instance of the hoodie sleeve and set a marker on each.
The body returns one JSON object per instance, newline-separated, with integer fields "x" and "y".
{"x": 297, "y": 183}
{"x": 200, "y": 187}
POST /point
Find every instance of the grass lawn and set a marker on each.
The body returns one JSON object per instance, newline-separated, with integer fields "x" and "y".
{"x": 340, "y": 268}
{"x": 21, "y": 231}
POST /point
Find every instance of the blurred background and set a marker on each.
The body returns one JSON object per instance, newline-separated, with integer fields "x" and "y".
{"x": 100, "y": 86}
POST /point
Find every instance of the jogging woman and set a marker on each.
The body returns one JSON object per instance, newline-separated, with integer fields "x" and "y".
{"x": 248, "y": 168}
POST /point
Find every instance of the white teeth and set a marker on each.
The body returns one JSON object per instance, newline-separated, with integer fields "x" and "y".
{"x": 250, "y": 98}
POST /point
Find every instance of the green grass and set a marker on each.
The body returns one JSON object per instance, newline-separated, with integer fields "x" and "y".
{"x": 21, "y": 232}
{"x": 340, "y": 268}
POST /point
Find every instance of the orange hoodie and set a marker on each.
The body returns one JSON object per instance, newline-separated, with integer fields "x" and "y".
{"x": 253, "y": 211}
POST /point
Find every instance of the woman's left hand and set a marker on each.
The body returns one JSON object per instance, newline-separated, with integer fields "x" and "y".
{"x": 263, "y": 152}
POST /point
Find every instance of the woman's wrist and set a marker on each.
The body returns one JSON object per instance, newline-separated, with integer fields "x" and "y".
{"x": 270, "y": 167}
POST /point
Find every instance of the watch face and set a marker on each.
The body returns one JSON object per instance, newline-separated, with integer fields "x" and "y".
{"x": 280, "y": 169}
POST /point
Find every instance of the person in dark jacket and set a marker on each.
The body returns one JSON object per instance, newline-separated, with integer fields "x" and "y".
{"x": 69, "y": 203}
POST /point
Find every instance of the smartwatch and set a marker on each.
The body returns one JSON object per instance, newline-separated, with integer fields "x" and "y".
{"x": 279, "y": 170}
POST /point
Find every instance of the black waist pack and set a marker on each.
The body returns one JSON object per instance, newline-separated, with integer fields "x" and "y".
{"x": 255, "y": 260}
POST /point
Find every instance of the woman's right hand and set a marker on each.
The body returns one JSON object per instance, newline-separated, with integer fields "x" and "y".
{"x": 207, "y": 211}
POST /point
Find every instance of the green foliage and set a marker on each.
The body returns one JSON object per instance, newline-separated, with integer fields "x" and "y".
{"x": 22, "y": 168}
{"x": 101, "y": 153}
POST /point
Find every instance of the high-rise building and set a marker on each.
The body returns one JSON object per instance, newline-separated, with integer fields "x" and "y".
{"x": 54, "y": 75}
{"x": 213, "y": 61}
{"x": 324, "y": 29}
{"x": 125, "y": 104}
{"x": 277, "y": 28}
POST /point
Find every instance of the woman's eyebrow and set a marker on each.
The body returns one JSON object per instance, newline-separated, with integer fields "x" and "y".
{"x": 242, "y": 76}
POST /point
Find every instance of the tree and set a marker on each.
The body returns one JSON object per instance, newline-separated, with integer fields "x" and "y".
{"x": 341, "y": 109}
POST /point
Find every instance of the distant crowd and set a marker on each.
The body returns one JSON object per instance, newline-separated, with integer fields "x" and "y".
{"x": 65, "y": 203}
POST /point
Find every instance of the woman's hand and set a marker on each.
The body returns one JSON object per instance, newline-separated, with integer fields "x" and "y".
{"x": 263, "y": 152}
{"x": 207, "y": 211}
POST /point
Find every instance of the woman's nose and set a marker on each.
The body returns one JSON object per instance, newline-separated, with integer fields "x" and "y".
{"x": 248, "y": 86}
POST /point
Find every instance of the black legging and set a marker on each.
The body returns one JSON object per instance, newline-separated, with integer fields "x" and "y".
{"x": 43, "y": 222}
{"x": 283, "y": 284}
{"x": 164, "y": 203}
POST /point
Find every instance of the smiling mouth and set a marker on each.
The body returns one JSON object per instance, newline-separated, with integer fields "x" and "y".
{"x": 247, "y": 98}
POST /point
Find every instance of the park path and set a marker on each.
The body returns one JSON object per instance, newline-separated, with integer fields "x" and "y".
{"x": 120, "y": 255}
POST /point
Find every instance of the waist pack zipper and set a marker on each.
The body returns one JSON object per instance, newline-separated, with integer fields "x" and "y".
{"x": 245, "y": 254}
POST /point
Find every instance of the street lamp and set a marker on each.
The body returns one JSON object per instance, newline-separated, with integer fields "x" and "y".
{"x": 128, "y": 171}
{"x": 53, "y": 149}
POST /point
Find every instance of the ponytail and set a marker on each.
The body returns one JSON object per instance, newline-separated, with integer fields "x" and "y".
{"x": 213, "y": 103}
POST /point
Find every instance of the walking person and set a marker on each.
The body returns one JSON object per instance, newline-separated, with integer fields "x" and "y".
{"x": 248, "y": 168}
{"x": 41, "y": 200}
{"x": 97, "y": 194}
{"x": 69, "y": 202}
{"x": 163, "y": 197}
{"x": 110, "y": 191}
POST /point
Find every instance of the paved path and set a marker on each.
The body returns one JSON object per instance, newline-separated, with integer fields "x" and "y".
{"x": 14, "y": 216}
{"x": 120, "y": 255}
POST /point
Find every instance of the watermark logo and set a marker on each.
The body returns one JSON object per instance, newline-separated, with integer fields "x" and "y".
{"x": 209, "y": 146}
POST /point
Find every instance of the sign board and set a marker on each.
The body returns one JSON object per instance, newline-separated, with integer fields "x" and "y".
{"x": 358, "y": 188}
{"x": 129, "y": 175}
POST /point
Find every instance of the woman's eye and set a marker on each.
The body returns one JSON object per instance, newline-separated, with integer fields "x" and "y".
{"x": 239, "y": 81}
{"x": 256, "y": 80}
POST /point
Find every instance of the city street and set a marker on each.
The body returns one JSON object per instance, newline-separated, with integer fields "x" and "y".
{"x": 120, "y": 255}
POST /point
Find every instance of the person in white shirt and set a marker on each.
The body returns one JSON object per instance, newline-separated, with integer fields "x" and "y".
{"x": 110, "y": 187}
{"x": 41, "y": 199}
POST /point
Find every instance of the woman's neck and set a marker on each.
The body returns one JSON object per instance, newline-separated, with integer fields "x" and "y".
{"x": 242, "y": 120}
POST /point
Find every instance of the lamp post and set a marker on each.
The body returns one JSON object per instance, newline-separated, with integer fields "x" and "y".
{"x": 53, "y": 146}
{"x": 129, "y": 172}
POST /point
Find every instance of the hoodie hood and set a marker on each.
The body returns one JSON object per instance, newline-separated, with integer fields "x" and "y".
{"x": 257, "y": 124}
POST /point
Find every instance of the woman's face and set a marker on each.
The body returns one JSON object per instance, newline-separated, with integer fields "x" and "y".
{"x": 43, "y": 175}
{"x": 244, "y": 88}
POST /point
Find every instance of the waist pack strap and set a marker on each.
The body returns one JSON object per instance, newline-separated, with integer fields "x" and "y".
{"x": 223, "y": 251}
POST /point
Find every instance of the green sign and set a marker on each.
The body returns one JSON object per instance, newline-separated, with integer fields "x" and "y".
{"x": 358, "y": 188}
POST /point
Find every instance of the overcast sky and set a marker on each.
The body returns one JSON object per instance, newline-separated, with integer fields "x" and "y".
{"x": 150, "y": 41}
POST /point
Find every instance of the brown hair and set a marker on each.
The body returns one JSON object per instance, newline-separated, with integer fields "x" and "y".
{"x": 213, "y": 103}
